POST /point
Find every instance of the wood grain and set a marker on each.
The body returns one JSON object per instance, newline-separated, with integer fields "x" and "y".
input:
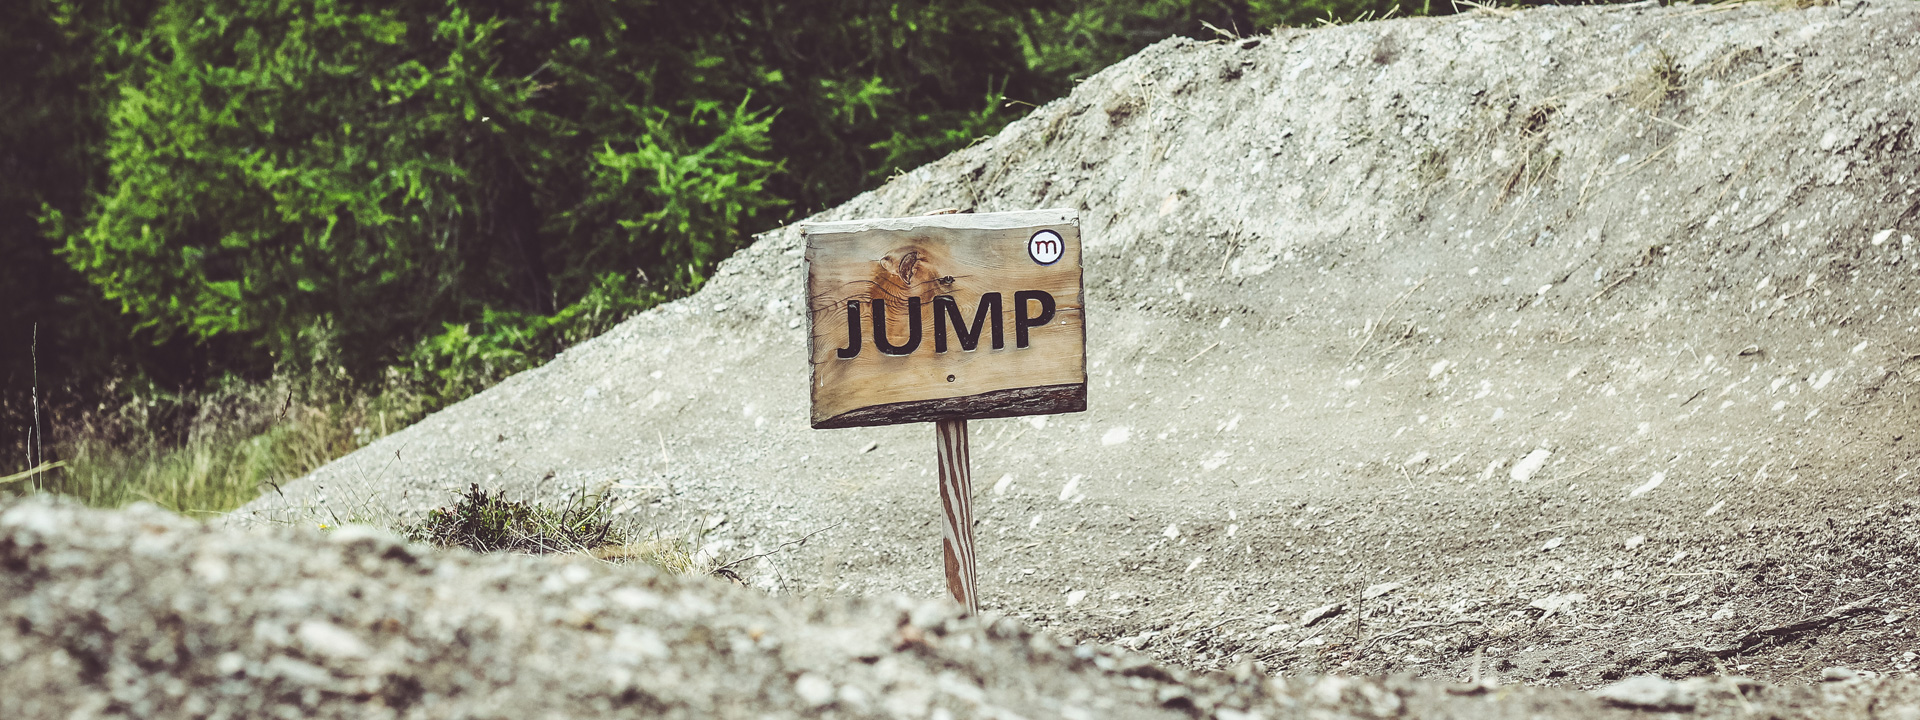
{"x": 1044, "y": 400}
{"x": 956, "y": 498}
{"x": 961, "y": 257}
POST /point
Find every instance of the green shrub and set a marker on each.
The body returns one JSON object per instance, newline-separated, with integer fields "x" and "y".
{"x": 465, "y": 358}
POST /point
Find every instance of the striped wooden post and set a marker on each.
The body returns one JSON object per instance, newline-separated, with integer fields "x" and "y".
{"x": 956, "y": 497}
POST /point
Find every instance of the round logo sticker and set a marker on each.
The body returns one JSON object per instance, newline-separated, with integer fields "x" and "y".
{"x": 1046, "y": 247}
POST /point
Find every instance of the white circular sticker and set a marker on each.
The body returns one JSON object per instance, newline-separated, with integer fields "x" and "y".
{"x": 1046, "y": 247}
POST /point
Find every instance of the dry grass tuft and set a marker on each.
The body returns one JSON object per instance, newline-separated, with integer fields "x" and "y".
{"x": 1662, "y": 81}
{"x": 485, "y": 522}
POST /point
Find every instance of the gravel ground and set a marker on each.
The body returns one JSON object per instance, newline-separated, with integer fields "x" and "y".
{"x": 143, "y": 614}
{"x": 1559, "y": 346}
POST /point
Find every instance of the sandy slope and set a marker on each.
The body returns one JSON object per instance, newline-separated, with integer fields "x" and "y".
{"x": 1342, "y": 283}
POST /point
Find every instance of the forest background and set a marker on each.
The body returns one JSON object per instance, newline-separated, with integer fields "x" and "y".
{"x": 239, "y": 238}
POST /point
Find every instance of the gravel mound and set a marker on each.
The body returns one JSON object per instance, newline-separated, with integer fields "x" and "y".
{"x": 140, "y": 613}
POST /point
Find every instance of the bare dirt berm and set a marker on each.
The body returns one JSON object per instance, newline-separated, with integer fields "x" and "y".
{"x": 1453, "y": 367}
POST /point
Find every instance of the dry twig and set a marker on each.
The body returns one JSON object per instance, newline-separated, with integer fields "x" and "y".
{"x": 727, "y": 569}
{"x": 1755, "y": 638}
{"x": 1410, "y": 628}
{"x": 1383, "y": 318}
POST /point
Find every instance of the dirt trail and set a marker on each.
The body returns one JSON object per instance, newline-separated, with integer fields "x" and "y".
{"x": 1567, "y": 344}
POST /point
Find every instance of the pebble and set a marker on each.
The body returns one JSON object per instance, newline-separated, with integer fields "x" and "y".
{"x": 1321, "y": 613}
{"x": 1374, "y": 591}
{"x": 1653, "y": 482}
{"x": 1648, "y": 692}
{"x": 330, "y": 640}
{"x": 813, "y": 690}
{"x": 1523, "y": 471}
{"x": 1557, "y": 603}
{"x": 1839, "y": 674}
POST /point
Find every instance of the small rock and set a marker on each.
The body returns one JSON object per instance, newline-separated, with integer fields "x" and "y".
{"x": 330, "y": 640}
{"x": 296, "y": 672}
{"x": 1374, "y": 591}
{"x": 1653, "y": 482}
{"x": 230, "y": 663}
{"x": 1170, "y": 694}
{"x": 27, "y": 521}
{"x": 1074, "y": 598}
{"x": 814, "y": 690}
{"x": 365, "y": 538}
{"x": 933, "y": 613}
{"x": 1648, "y": 692}
{"x": 1330, "y": 690}
{"x": 1381, "y": 701}
{"x": 1523, "y": 471}
{"x": 1321, "y": 613}
{"x": 1554, "y": 543}
{"x": 1558, "y": 603}
{"x": 1839, "y": 674}
{"x": 854, "y": 697}
{"x": 1636, "y": 541}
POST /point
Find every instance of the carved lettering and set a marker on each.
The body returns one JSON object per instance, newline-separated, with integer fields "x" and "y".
{"x": 1022, "y": 321}
{"x": 884, "y": 343}
{"x": 945, "y": 308}
{"x": 987, "y": 319}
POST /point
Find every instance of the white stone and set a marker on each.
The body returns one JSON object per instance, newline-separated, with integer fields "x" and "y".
{"x": 1524, "y": 470}
{"x": 325, "y": 638}
{"x": 814, "y": 690}
{"x": 1648, "y": 692}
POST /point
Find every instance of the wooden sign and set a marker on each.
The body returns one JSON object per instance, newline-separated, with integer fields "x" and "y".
{"x": 946, "y": 317}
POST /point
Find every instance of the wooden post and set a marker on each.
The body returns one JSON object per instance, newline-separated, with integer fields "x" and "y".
{"x": 956, "y": 497}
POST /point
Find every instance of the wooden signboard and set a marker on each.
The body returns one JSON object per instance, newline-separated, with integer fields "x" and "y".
{"x": 944, "y": 318}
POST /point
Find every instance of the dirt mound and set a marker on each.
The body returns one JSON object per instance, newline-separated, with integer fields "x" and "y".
{"x": 1566, "y": 344}
{"x": 143, "y": 614}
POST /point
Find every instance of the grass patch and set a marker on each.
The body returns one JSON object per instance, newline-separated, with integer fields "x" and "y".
{"x": 488, "y": 522}
{"x": 1663, "y": 80}
{"x": 673, "y": 555}
{"x": 216, "y": 451}
{"x": 484, "y": 522}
